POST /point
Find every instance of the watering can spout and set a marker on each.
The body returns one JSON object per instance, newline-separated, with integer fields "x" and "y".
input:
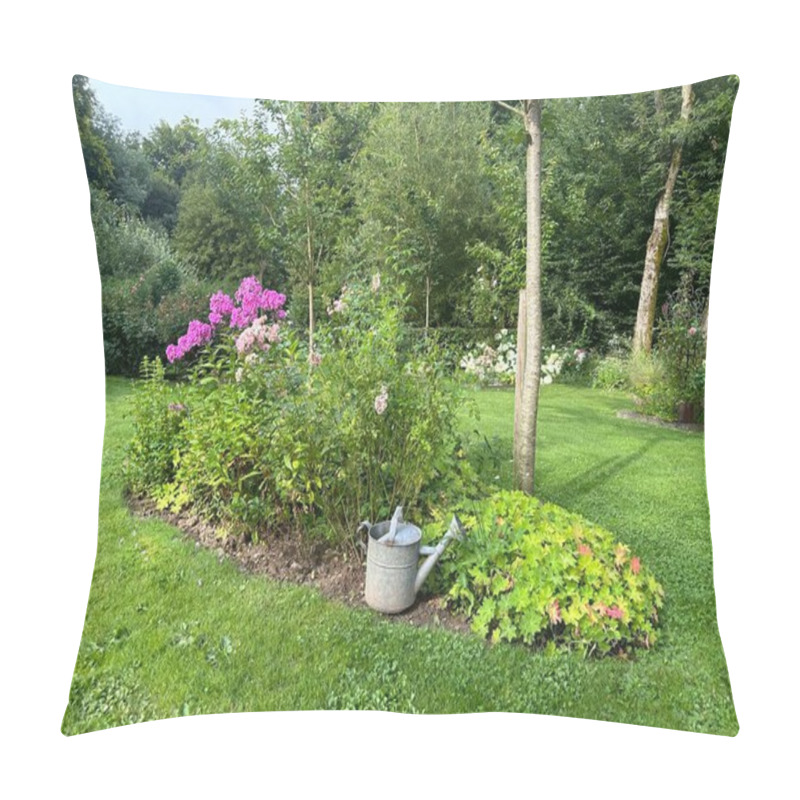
{"x": 455, "y": 531}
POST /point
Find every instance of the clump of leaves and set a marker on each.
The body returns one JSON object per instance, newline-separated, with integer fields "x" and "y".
{"x": 384, "y": 687}
{"x": 536, "y": 573}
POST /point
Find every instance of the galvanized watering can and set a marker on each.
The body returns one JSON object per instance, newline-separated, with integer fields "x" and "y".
{"x": 393, "y": 550}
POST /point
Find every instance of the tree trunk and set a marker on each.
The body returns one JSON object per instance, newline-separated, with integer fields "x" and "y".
{"x": 427, "y": 303}
{"x": 525, "y": 412}
{"x": 310, "y": 321}
{"x": 519, "y": 377}
{"x": 657, "y": 244}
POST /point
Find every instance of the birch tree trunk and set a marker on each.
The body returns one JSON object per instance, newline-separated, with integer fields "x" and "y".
{"x": 657, "y": 243}
{"x": 527, "y": 401}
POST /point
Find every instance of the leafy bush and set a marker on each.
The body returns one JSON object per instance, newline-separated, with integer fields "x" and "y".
{"x": 681, "y": 346}
{"x": 566, "y": 365}
{"x": 611, "y": 372}
{"x": 140, "y": 316}
{"x": 386, "y": 411}
{"x": 274, "y": 435}
{"x": 493, "y": 364}
{"x": 148, "y": 293}
{"x": 538, "y": 574}
{"x": 158, "y": 420}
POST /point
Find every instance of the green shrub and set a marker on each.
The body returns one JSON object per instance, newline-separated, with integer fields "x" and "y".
{"x": 681, "y": 347}
{"x": 611, "y": 372}
{"x": 386, "y": 413}
{"x": 140, "y": 316}
{"x": 535, "y": 573}
{"x": 272, "y": 436}
{"x": 158, "y": 421}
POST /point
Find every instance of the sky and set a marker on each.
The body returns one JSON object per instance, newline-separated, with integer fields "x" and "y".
{"x": 141, "y": 109}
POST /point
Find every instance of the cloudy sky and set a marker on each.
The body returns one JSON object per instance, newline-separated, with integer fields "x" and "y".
{"x": 141, "y": 109}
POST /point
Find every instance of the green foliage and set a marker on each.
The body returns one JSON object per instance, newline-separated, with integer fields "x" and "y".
{"x": 421, "y": 198}
{"x": 213, "y": 232}
{"x": 383, "y": 687}
{"x": 611, "y": 372}
{"x": 293, "y": 649}
{"x": 99, "y": 169}
{"x": 404, "y": 454}
{"x": 148, "y": 292}
{"x": 158, "y": 420}
{"x": 538, "y": 574}
{"x": 269, "y": 440}
{"x": 681, "y": 346}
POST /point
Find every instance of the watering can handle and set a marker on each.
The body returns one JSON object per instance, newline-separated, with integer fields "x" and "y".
{"x": 365, "y": 524}
{"x": 397, "y": 518}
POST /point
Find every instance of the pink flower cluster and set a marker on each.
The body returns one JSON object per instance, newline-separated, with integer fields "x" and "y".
{"x": 252, "y": 300}
{"x": 257, "y": 335}
{"x": 199, "y": 333}
{"x": 221, "y": 306}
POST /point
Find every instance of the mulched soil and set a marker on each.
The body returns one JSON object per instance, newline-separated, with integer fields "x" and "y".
{"x": 337, "y": 573}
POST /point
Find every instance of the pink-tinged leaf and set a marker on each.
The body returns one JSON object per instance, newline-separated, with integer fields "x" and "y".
{"x": 635, "y": 566}
{"x": 584, "y": 550}
{"x": 554, "y": 612}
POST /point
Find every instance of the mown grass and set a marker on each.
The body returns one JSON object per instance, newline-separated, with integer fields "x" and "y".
{"x": 171, "y": 630}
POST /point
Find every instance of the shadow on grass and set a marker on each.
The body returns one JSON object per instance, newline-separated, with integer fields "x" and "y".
{"x": 601, "y": 472}
{"x": 492, "y": 459}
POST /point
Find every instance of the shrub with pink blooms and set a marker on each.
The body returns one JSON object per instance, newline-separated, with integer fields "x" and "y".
{"x": 538, "y": 574}
{"x": 252, "y": 310}
{"x": 272, "y": 435}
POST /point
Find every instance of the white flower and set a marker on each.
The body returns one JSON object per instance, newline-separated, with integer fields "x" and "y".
{"x": 382, "y": 401}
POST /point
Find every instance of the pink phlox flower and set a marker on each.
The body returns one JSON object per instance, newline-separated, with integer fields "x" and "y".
{"x": 614, "y": 612}
{"x": 198, "y": 333}
{"x": 252, "y": 299}
{"x": 273, "y": 333}
{"x": 692, "y": 331}
{"x": 221, "y": 305}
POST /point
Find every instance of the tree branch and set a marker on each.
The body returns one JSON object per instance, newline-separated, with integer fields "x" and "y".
{"x": 510, "y": 108}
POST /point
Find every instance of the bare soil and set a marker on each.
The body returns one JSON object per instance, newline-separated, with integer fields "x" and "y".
{"x": 338, "y": 573}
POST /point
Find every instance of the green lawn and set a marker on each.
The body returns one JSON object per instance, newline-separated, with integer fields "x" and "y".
{"x": 170, "y": 630}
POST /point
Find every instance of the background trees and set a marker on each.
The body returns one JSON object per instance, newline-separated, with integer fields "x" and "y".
{"x": 307, "y": 196}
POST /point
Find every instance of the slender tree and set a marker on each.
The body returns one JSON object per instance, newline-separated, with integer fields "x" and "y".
{"x": 527, "y": 400}
{"x": 657, "y": 243}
